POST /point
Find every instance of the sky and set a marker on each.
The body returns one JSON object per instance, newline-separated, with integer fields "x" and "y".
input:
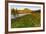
{"x": 19, "y": 7}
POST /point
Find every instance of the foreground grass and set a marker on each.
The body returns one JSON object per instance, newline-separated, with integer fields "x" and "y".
{"x": 26, "y": 21}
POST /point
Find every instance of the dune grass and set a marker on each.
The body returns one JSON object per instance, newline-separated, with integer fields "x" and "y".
{"x": 26, "y": 21}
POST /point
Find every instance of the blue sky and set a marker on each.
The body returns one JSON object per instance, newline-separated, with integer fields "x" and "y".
{"x": 29, "y": 7}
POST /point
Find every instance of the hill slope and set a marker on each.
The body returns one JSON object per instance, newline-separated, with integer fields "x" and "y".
{"x": 26, "y": 21}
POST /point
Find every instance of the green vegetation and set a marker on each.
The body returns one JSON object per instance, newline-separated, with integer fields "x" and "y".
{"x": 29, "y": 20}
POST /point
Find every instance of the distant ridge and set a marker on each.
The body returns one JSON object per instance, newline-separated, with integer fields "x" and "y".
{"x": 25, "y": 11}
